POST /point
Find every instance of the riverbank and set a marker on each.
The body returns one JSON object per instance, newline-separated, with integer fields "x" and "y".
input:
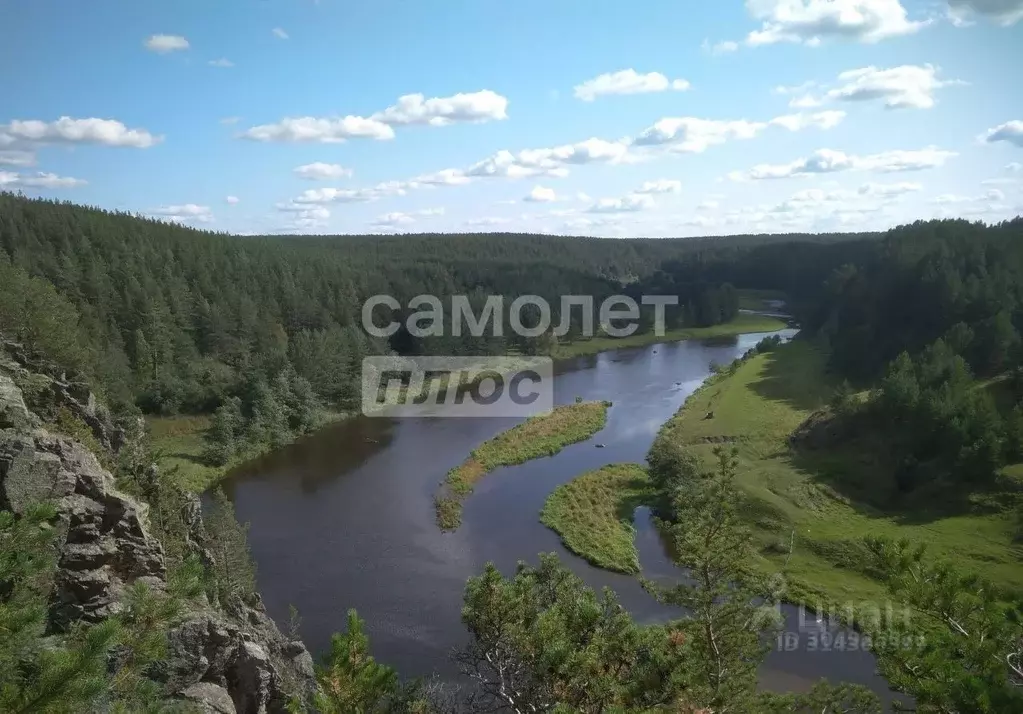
{"x": 803, "y": 526}
{"x": 593, "y": 514}
{"x": 178, "y": 442}
{"x": 743, "y": 323}
{"x": 539, "y": 436}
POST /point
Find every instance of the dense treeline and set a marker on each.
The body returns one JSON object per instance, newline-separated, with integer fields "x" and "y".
{"x": 178, "y": 320}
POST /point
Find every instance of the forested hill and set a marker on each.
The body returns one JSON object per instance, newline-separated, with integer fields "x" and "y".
{"x": 176, "y": 319}
{"x": 173, "y": 319}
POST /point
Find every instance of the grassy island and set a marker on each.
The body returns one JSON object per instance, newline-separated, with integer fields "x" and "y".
{"x": 593, "y": 515}
{"x": 539, "y": 436}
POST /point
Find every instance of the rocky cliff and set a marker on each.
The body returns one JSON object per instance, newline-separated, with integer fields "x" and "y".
{"x": 222, "y": 658}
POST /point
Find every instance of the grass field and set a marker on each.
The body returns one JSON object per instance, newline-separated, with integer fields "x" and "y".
{"x": 792, "y": 498}
{"x": 741, "y": 324}
{"x": 539, "y": 436}
{"x": 593, "y": 515}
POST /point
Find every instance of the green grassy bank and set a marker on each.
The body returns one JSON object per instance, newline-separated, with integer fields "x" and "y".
{"x": 538, "y": 436}
{"x": 593, "y": 515}
{"x": 796, "y": 499}
{"x": 741, "y": 324}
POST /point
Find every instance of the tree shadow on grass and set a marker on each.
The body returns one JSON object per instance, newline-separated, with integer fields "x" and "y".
{"x": 794, "y": 374}
{"x": 861, "y": 473}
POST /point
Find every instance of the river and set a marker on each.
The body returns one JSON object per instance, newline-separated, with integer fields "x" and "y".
{"x": 344, "y": 518}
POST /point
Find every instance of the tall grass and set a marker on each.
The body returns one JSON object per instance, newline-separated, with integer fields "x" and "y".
{"x": 539, "y": 436}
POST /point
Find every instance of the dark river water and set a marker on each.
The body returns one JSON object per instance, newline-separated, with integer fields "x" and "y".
{"x": 345, "y": 518}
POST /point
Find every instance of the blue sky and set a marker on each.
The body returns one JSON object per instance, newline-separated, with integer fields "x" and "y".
{"x": 606, "y": 118}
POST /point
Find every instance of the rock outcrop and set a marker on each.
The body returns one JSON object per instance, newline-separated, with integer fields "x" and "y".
{"x": 227, "y": 660}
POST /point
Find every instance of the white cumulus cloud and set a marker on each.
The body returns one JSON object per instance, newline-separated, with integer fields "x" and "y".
{"x": 232, "y": 200}
{"x": 803, "y": 120}
{"x": 279, "y": 33}
{"x": 626, "y": 204}
{"x": 399, "y": 218}
{"x": 830, "y": 161}
{"x": 39, "y": 180}
{"x": 162, "y": 44}
{"x": 627, "y": 81}
{"x": 67, "y": 130}
{"x": 319, "y": 171}
{"x": 689, "y": 134}
{"x": 910, "y": 86}
{"x": 1010, "y": 131}
{"x": 351, "y": 195}
{"x": 326, "y": 131}
{"x": 549, "y": 162}
{"x": 185, "y": 213}
{"x": 660, "y": 186}
{"x": 812, "y": 21}
{"x": 473, "y": 107}
{"x": 540, "y": 194}
{"x": 889, "y": 190}
{"x": 222, "y": 62}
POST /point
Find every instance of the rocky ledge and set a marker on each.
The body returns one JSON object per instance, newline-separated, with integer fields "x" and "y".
{"x": 228, "y": 660}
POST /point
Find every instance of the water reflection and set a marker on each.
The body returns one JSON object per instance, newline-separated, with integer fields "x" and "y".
{"x": 345, "y": 518}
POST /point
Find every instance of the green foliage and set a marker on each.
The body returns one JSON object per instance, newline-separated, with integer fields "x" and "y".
{"x": 101, "y": 666}
{"x": 725, "y": 625}
{"x": 963, "y": 648}
{"x": 234, "y": 570}
{"x": 350, "y": 681}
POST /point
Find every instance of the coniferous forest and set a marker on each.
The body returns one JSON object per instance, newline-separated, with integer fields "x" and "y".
{"x": 921, "y": 327}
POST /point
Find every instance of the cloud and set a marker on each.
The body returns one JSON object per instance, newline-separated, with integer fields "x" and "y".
{"x": 398, "y": 218}
{"x": 39, "y": 180}
{"x": 230, "y": 120}
{"x": 888, "y": 190}
{"x": 993, "y": 195}
{"x": 66, "y": 130}
{"x": 689, "y": 134}
{"x": 410, "y": 109}
{"x": 473, "y": 107}
{"x": 806, "y": 101}
{"x": 486, "y": 221}
{"x": 326, "y": 131}
{"x": 898, "y": 87}
{"x": 319, "y": 171}
{"x": 1010, "y": 131}
{"x": 627, "y": 81}
{"x": 627, "y": 204}
{"x": 17, "y": 158}
{"x": 232, "y": 200}
{"x": 1004, "y": 12}
{"x": 1014, "y": 166}
{"x": 222, "y": 62}
{"x": 185, "y": 213}
{"x": 708, "y": 205}
{"x": 660, "y": 186}
{"x": 812, "y": 21}
{"x": 829, "y": 161}
{"x": 539, "y": 194}
{"x": 351, "y": 195}
{"x": 162, "y": 44}
{"x": 280, "y": 34}
{"x": 445, "y": 177}
{"x": 802, "y": 120}
{"x": 548, "y": 162}
{"x": 719, "y": 48}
